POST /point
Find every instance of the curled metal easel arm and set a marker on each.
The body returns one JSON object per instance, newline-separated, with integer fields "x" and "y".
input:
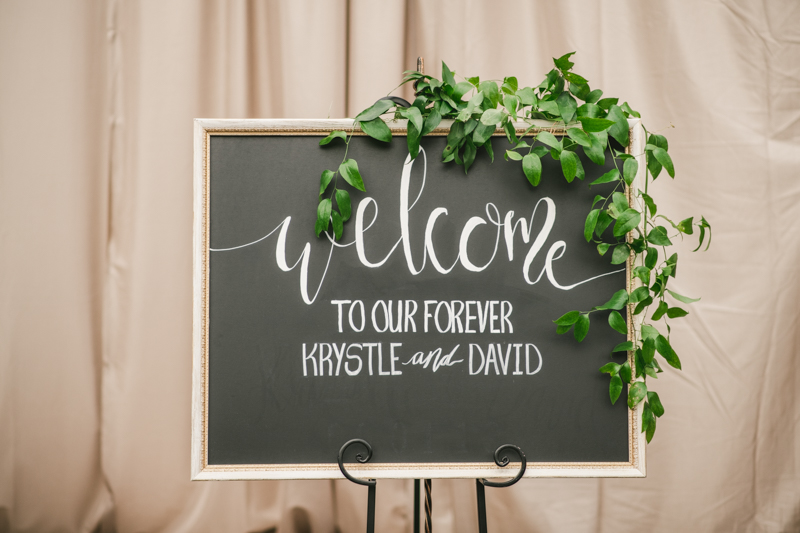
{"x": 370, "y": 483}
{"x": 480, "y": 484}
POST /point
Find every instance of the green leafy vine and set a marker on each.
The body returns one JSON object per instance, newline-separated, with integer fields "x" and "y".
{"x": 597, "y": 126}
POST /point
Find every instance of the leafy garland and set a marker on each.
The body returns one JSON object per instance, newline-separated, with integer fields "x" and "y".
{"x": 596, "y": 125}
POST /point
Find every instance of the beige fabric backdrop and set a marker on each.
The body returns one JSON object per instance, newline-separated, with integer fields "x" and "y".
{"x": 96, "y": 108}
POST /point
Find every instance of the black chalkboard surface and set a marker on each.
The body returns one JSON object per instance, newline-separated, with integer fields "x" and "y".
{"x": 427, "y": 330}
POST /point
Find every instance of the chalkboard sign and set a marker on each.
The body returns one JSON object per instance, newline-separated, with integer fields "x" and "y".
{"x": 427, "y": 330}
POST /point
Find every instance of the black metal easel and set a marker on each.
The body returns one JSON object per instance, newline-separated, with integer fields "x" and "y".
{"x": 371, "y": 483}
{"x": 480, "y": 484}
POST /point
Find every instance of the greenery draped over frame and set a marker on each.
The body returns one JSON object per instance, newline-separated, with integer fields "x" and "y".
{"x": 597, "y": 126}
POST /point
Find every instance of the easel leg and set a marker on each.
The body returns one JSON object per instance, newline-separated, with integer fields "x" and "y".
{"x": 371, "y": 509}
{"x": 428, "y": 507}
{"x": 482, "y": 527}
{"x": 416, "y": 506}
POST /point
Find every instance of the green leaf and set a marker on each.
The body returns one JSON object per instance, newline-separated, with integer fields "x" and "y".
{"x": 640, "y": 364}
{"x": 625, "y": 107}
{"x": 338, "y": 225}
{"x": 482, "y": 133}
{"x": 319, "y": 227}
{"x": 343, "y": 202}
{"x": 665, "y": 349}
{"x": 377, "y": 109}
{"x": 596, "y": 151}
{"x": 617, "y": 301}
{"x": 447, "y": 76}
{"x": 676, "y": 312}
{"x": 641, "y": 306}
{"x": 629, "y": 170}
{"x": 563, "y": 62}
{"x": 637, "y": 393}
{"x": 569, "y": 165}
{"x": 638, "y": 245}
{"x": 454, "y": 138}
{"x": 490, "y": 91}
{"x": 325, "y": 180}
{"x": 511, "y": 154}
{"x": 323, "y": 215}
{"x": 623, "y": 347}
{"x": 469, "y": 154}
{"x": 578, "y": 135}
{"x": 686, "y": 226}
{"x": 578, "y": 86}
{"x": 628, "y": 220}
{"x": 603, "y": 247}
{"x": 639, "y": 294}
{"x": 414, "y": 117}
{"x": 621, "y": 254}
{"x": 526, "y": 96}
{"x": 655, "y": 403}
{"x": 595, "y": 124}
{"x": 659, "y": 237}
{"x": 625, "y": 372}
{"x": 549, "y": 106}
{"x": 545, "y": 137}
{"x": 492, "y": 117}
{"x": 648, "y": 422}
{"x": 616, "y": 321}
{"x": 594, "y": 96}
{"x": 333, "y": 135}
{"x": 412, "y": 139}
{"x": 475, "y": 80}
{"x": 663, "y": 157}
{"x": 660, "y": 311}
{"x": 488, "y": 147}
{"x": 650, "y": 371}
{"x": 615, "y": 388}
{"x": 606, "y": 103}
{"x": 563, "y": 329}
{"x": 610, "y": 368}
{"x": 461, "y": 89}
{"x": 590, "y": 111}
{"x": 651, "y": 258}
{"x": 658, "y": 140}
{"x": 473, "y": 104}
{"x": 611, "y": 175}
{"x": 567, "y": 107}
{"x": 589, "y": 225}
{"x": 567, "y": 319}
{"x": 703, "y": 225}
{"x": 652, "y": 164}
{"x": 683, "y": 299}
{"x": 649, "y": 332}
{"x": 377, "y": 129}
{"x": 651, "y": 205}
{"x": 581, "y": 327}
{"x": 532, "y": 167}
{"x": 643, "y": 273}
{"x": 511, "y": 133}
{"x": 349, "y": 171}
{"x": 511, "y": 103}
{"x": 431, "y": 121}
{"x": 511, "y": 83}
{"x": 603, "y": 221}
{"x": 620, "y": 202}
{"x": 620, "y": 128}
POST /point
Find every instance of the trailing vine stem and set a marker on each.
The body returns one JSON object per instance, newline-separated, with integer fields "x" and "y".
{"x": 597, "y": 127}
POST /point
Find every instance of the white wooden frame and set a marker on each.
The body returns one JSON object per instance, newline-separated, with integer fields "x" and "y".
{"x": 201, "y": 470}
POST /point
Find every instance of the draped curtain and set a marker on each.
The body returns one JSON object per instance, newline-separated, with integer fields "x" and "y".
{"x": 96, "y": 106}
